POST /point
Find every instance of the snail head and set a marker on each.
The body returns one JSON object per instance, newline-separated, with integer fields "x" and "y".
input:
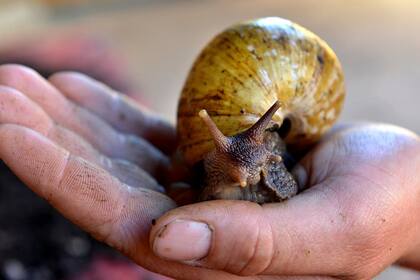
{"x": 238, "y": 159}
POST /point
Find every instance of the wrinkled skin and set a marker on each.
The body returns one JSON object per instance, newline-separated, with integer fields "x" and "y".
{"x": 82, "y": 147}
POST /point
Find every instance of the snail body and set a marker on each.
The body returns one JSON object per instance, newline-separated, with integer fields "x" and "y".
{"x": 264, "y": 84}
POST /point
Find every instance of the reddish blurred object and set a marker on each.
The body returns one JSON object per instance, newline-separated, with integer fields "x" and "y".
{"x": 110, "y": 269}
{"x": 72, "y": 52}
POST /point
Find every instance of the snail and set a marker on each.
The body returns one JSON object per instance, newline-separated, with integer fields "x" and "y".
{"x": 258, "y": 87}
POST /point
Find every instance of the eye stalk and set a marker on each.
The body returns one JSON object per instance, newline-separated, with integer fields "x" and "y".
{"x": 220, "y": 141}
{"x": 257, "y": 130}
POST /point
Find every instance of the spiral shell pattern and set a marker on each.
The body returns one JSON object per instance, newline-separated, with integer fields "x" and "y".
{"x": 249, "y": 66}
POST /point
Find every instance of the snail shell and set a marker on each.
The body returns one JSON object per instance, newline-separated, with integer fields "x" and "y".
{"x": 248, "y": 67}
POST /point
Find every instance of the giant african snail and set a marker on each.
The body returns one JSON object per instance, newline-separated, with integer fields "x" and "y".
{"x": 251, "y": 82}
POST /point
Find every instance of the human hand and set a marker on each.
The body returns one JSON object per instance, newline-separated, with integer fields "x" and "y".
{"x": 60, "y": 136}
{"x": 360, "y": 214}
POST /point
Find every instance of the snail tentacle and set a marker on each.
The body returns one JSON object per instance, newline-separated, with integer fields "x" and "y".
{"x": 220, "y": 141}
{"x": 256, "y": 131}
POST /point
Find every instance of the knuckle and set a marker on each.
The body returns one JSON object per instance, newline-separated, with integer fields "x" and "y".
{"x": 255, "y": 256}
{"x": 6, "y": 92}
{"x": 262, "y": 252}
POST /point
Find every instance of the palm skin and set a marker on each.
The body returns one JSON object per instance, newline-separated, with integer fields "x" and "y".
{"x": 94, "y": 154}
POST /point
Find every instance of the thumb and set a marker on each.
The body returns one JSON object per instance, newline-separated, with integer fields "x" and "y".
{"x": 296, "y": 237}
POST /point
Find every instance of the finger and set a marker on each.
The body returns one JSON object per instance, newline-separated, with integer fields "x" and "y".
{"x": 84, "y": 193}
{"x": 92, "y": 128}
{"x": 125, "y": 171}
{"x": 118, "y": 110}
{"x": 16, "y": 108}
{"x": 297, "y": 237}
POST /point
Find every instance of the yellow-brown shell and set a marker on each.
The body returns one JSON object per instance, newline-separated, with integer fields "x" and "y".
{"x": 249, "y": 66}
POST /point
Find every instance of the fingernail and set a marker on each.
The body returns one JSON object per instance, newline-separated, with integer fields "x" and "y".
{"x": 183, "y": 240}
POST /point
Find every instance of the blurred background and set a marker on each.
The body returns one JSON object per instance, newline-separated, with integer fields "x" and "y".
{"x": 145, "y": 48}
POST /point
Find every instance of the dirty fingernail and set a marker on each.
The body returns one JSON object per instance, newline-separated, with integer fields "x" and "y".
{"x": 183, "y": 240}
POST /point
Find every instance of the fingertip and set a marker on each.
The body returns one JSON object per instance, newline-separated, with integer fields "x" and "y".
{"x": 68, "y": 80}
{"x": 218, "y": 234}
{"x": 14, "y": 74}
{"x": 60, "y": 75}
{"x": 34, "y": 86}
{"x": 20, "y": 110}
